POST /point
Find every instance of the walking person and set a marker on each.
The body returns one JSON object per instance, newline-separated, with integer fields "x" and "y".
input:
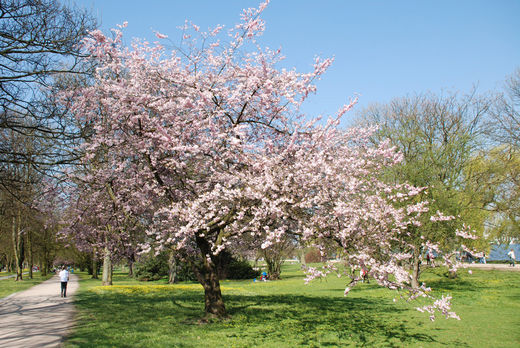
{"x": 512, "y": 257}
{"x": 64, "y": 278}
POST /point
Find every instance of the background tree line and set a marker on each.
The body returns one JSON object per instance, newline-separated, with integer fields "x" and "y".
{"x": 39, "y": 47}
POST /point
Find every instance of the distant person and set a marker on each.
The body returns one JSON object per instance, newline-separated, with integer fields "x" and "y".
{"x": 363, "y": 275}
{"x": 64, "y": 278}
{"x": 430, "y": 258}
{"x": 512, "y": 258}
{"x": 264, "y": 276}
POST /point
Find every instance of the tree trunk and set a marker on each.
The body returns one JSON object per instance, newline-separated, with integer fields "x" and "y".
{"x": 130, "y": 268}
{"x": 107, "y": 267}
{"x": 213, "y": 301}
{"x": 94, "y": 266}
{"x": 18, "y": 246}
{"x": 9, "y": 264}
{"x": 43, "y": 252}
{"x": 207, "y": 274}
{"x": 44, "y": 263}
{"x": 30, "y": 251}
{"x": 302, "y": 257}
{"x": 274, "y": 261}
{"x": 131, "y": 262}
{"x": 172, "y": 268}
{"x": 416, "y": 268}
{"x": 274, "y": 270}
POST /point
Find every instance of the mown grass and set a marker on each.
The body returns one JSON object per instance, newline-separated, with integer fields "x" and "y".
{"x": 3, "y": 274}
{"x": 10, "y": 286}
{"x": 287, "y": 313}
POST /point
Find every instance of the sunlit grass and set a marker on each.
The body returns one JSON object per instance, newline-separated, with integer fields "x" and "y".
{"x": 10, "y": 286}
{"x": 151, "y": 288}
{"x": 3, "y": 274}
{"x": 287, "y": 313}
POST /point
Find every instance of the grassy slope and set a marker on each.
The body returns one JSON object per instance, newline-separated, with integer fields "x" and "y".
{"x": 288, "y": 313}
{"x": 10, "y": 286}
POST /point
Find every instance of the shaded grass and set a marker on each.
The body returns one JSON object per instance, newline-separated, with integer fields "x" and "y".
{"x": 287, "y": 313}
{"x": 10, "y": 286}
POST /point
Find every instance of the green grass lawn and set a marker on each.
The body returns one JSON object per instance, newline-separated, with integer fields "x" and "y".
{"x": 3, "y": 274}
{"x": 287, "y": 313}
{"x": 10, "y": 286}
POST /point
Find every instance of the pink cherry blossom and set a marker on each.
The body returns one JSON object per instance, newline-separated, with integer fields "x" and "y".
{"x": 204, "y": 148}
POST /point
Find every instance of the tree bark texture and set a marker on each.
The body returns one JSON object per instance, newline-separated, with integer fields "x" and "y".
{"x": 107, "y": 267}
{"x": 274, "y": 262}
{"x": 207, "y": 274}
{"x": 94, "y": 266}
{"x": 172, "y": 267}
{"x": 130, "y": 268}
{"x": 30, "y": 254}
{"x": 18, "y": 246}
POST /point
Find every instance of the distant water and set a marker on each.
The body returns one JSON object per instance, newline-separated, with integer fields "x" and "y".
{"x": 499, "y": 252}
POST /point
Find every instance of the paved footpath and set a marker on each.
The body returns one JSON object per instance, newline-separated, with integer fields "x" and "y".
{"x": 500, "y": 266}
{"x": 37, "y": 317}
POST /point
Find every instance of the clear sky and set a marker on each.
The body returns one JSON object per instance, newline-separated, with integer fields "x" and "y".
{"x": 382, "y": 48}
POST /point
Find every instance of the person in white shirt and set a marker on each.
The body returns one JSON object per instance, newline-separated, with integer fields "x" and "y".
{"x": 64, "y": 278}
{"x": 512, "y": 258}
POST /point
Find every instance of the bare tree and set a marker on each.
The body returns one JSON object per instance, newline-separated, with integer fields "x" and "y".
{"x": 499, "y": 167}
{"x": 505, "y": 125}
{"x": 39, "y": 52}
{"x": 38, "y": 38}
{"x": 39, "y": 47}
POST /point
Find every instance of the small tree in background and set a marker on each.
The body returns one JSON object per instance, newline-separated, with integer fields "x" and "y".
{"x": 437, "y": 136}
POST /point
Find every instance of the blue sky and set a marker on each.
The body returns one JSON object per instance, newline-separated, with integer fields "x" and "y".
{"x": 382, "y": 49}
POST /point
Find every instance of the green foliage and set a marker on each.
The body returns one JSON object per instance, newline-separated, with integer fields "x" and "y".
{"x": 287, "y": 313}
{"x": 241, "y": 269}
{"x": 152, "y": 267}
{"x": 229, "y": 267}
{"x": 184, "y": 273}
{"x": 497, "y": 173}
{"x": 437, "y": 136}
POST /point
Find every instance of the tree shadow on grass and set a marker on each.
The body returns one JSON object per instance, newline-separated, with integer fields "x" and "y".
{"x": 348, "y": 317}
{"x": 446, "y": 284}
{"x": 126, "y": 319}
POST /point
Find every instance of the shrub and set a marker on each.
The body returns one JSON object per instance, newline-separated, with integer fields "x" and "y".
{"x": 152, "y": 267}
{"x": 155, "y": 267}
{"x": 184, "y": 273}
{"x": 241, "y": 269}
